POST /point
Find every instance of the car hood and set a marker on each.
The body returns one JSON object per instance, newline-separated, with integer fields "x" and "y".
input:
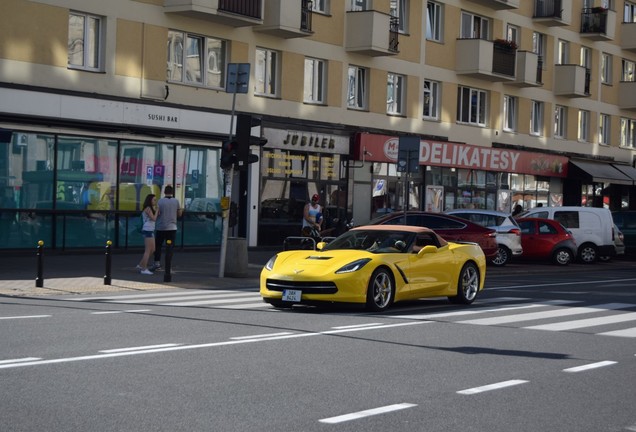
{"x": 314, "y": 263}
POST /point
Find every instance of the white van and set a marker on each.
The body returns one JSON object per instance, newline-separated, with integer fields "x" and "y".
{"x": 591, "y": 227}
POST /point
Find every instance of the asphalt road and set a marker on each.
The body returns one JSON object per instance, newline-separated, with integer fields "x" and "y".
{"x": 550, "y": 350}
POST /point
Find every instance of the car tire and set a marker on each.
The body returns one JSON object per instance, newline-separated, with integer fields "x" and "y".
{"x": 502, "y": 257}
{"x": 562, "y": 257}
{"x": 467, "y": 285}
{"x": 381, "y": 290}
{"x": 588, "y": 253}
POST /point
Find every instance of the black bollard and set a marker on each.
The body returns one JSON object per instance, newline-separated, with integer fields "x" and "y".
{"x": 39, "y": 280}
{"x": 167, "y": 277}
{"x": 109, "y": 263}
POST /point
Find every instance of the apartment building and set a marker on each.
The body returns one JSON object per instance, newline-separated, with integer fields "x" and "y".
{"x": 376, "y": 105}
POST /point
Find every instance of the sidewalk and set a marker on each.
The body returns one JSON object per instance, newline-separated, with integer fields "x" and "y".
{"x": 75, "y": 272}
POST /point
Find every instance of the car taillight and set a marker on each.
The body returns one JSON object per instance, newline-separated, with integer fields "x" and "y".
{"x": 515, "y": 231}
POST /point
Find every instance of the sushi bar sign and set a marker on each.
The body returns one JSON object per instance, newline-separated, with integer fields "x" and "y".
{"x": 382, "y": 148}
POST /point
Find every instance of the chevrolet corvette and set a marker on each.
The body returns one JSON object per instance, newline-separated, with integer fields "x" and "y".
{"x": 376, "y": 266}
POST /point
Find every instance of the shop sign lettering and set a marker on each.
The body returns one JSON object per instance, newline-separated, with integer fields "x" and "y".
{"x": 435, "y": 153}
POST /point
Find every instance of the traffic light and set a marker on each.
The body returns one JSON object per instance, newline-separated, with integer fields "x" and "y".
{"x": 228, "y": 154}
{"x": 244, "y": 139}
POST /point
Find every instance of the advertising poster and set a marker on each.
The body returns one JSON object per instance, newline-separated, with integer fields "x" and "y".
{"x": 434, "y": 198}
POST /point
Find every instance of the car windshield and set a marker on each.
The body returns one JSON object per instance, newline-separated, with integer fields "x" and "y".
{"x": 374, "y": 241}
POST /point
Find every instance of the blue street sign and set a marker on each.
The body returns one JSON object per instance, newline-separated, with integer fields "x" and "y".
{"x": 409, "y": 154}
{"x": 238, "y": 77}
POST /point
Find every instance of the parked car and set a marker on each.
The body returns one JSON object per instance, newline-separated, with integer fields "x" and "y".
{"x": 508, "y": 232}
{"x": 619, "y": 242}
{"x": 375, "y": 266}
{"x": 591, "y": 227}
{"x": 546, "y": 239}
{"x": 625, "y": 220}
{"x": 450, "y": 228}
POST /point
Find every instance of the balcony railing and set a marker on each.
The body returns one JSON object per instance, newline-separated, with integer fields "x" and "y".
{"x": 548, "y": 9}
{"x": 394, "y": 32}
{"x": 588, "y": 78}
{"x": 249, "y": 8}
{"x": 594, "y": 20}
{"x": 305, "y": 15}
{"x": 503, "y": 59}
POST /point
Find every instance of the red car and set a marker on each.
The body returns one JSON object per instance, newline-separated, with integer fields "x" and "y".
{"x": 546, "y": 239}
{"x": 448, "y": 227}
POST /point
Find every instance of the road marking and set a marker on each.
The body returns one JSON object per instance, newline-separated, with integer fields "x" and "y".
{"x": 589, "y": 366}
{"x": 212, "y": 302}
{"x": 260, "y": 336}
{"x": 367, "y": 413}
{"x": 486, "y": 310}
{"x": 198, "y": 346}
{"x": 161, "y": 294}
{"x": 356, "y": 326}
{"x": 590, "y": 322}
{"x": 25, "y": 359}
{"x": 118, "y": 312}
{"x": 507, "y": 319}
{"x": 489, "y": 387}
{"x": 24, "y": 317}
{"x": 630, "y": 332}
{"x": 258, "y": 305}
{"x": 563, "y": 284}
{"x": 187, "y": 300}
{"x": 115, "y": 350}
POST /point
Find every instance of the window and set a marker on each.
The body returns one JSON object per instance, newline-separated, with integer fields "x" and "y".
{"x": 474, "y": 26}
{"x": 395, "y": 94}
{"x": 586, "y": 57}
{"x": 431, "y": 99}
{"x": 563, "y": 52}
{"x": 190, "y": 55}
{"x": 606, "y": 68}
{"x": 539, "y": 45}
{"x": 510, "y": 113}
{"x": 629, "y": 14}
{"x": 536, "y": 118}
{"x": 471, "y": 106}
{"x": 512, "y": 34}
{"x": 604, "y": 129}
{"x": 628, "y": 133}
{"x": 584, "y": 126}
{"x": 560, "y": 121}
{"x": 400, "y": 10}
{"x": 315, "y": 75}
{"x": 628, "y": 68}
{"x": 357, "y": 88}
{"x": 321, "y": 6}
{"x": 85, "y": 41}
{"x": 434, "y": 21}
{"x": 359, "y": 5}
{"x": 266, "y": 72}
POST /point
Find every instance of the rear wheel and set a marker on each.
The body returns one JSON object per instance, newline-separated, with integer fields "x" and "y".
{"x": 502, "y": 257}
{"x": 562, "y": 256}
{"x": 588, "y": 253}
{"x": 467, "y": 285}
{"x": 381, "y": 290}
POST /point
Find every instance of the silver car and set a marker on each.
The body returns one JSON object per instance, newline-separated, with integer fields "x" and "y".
{"x": 508, "y": 232}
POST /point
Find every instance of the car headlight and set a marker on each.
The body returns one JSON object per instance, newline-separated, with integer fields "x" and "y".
{"x": 270, "y": 263}
{"x": 353, "y": 266}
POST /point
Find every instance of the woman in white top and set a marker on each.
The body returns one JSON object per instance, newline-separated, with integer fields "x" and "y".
{"x": 311, "y": 216}
{"x": 149, "y": 216}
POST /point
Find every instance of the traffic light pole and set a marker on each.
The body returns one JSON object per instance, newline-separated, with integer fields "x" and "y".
{"x": 228, "y": 177}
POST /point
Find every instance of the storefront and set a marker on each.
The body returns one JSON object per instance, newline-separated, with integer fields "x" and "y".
{"x": 296, "y": 164}
{"x": 453, "y": 175}
{"x": 74, "y": 171}
{"x": 600, "y": 184}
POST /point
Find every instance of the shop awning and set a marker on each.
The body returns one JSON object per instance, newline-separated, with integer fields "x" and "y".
{"x": 629, "y": 171}
{"x": 596, "y": 172}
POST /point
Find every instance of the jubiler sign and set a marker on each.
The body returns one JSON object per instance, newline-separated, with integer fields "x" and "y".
{"x": 438, "y": 153}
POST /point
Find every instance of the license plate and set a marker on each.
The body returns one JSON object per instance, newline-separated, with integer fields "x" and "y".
{"x": 292, "y": 295}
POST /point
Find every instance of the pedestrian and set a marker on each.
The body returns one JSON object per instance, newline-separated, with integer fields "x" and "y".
{"x": 312, "y": 217}
{"x": 149, "y": 216}
{"x": 518, "y": 209}
{"x": 169, "y": 211}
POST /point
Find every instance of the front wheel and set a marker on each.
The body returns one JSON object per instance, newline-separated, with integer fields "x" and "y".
{"x": 467, "y": 285}
{"x": 381, "y": 290}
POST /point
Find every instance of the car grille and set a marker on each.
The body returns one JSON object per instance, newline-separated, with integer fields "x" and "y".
{"x": 305, "y": 287}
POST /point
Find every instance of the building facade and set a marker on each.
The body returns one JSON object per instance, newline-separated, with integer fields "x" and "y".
{"x": 503, "y": 102}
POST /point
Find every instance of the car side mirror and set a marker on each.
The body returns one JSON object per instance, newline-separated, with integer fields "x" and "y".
{"x": 321, "y": 245}
{"x": 427, "y": 250}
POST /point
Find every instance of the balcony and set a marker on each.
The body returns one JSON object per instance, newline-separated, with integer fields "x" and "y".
{"x": 287, "y": 19}
{"x": 552, "y": 12}
{"x": 529, "y": 70}
{"x": 627, "y": 95}
{"x": 628, "y": 36}
{"x": 571, "y": 80}
{"x": 235, "y": 13}
{"x": 499, "y": 4}
{"x": 371, "y": 33}
{"x": 598, "y": 24}
{"x": 485, "y": 59}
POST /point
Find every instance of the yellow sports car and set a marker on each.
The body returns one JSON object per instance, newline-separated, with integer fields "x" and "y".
{"x": 376, "y": 266}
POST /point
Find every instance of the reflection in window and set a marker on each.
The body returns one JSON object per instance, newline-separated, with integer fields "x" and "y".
{"x": 196, "y": 59}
